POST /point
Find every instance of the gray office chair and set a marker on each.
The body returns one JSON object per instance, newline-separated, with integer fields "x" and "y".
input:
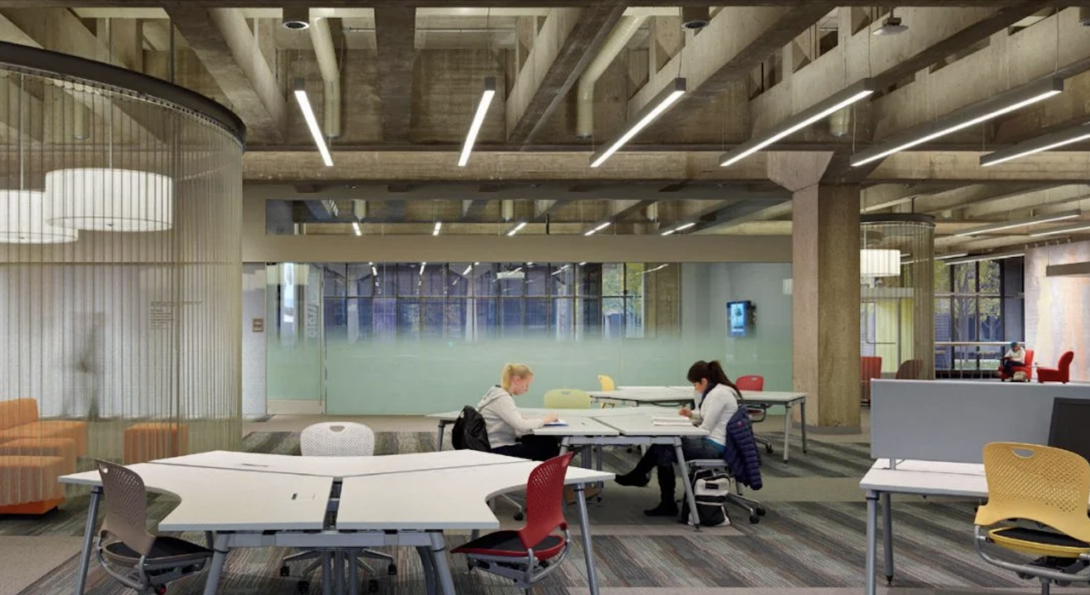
{"x": 753, "y": 507}
{"x": 127, "y": 552}
{"x": 337, "y": 439}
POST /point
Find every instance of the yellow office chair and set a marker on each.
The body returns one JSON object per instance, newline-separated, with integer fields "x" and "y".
{"x": 607, "y": 383}
{"x": 1043, "y": 485}
{"x": 567, "y": 398}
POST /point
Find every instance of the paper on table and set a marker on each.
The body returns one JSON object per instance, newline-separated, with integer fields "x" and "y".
{"x": 671, "y": 421}
{"x": 558, "y": 422}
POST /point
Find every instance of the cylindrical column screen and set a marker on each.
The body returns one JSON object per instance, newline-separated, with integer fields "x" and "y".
{"x": 897, "y": 321}
{"x": 120, "y": 274}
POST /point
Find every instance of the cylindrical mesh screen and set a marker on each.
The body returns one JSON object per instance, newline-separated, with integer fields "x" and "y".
{"x": 897, "y": 323}
{"x": 120, "y": 276}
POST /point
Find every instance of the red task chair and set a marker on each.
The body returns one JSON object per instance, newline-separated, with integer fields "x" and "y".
{"x": 757, "y": 413}
{"x": 870, "y": 367}
{"x": 533, "y": 552}
{"x": 1026, "y": 367}
{"x": 1061, "y": 373}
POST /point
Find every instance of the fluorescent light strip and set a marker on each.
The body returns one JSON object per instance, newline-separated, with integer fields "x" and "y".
{"x": 516, "y": 229}
{"x": 478, "y": 119}
{"x": 597, "y": 229}
{"x": 658, "y": 268}
{"x": 312, "y": 122}
{"x": 422, "y": 265}
{"x": 657, "y": 106}
{"x": 829, "y": 106}
{"x": 1037, "y": 145}
{"x": 1037, "y": 92}
{"x": 374, "y": 272}
{"x": 983, "y": 257}
{"x": 438, "y": 226}
{"x": 674, "y": 230}
{"x": 356, "y": 228}
{"x": 466, "y": 272}
{"x": 1020, "y": 223}
{"x": 953, "y": 255}
{"x": 560, "y": 270}
{"x": 1084, "y": 226}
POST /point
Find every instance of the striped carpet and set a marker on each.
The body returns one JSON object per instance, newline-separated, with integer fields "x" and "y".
{"x": 799, "y": 545}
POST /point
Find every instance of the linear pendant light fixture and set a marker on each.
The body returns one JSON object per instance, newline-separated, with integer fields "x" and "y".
{"x": 681, "y": 227}
{"x": 312, "y": 121}
{"x": 597, "y": 228}
{"x": 438, "y": 226}
{"x": 478, "y": 119}
{"x": 983, "y": 257}
{"x": 1074, "y": 227}
{"x": 655, "y": 108}
{"x": 517, "y": 228}
{"x": 1037, "y": 145}
{"x": 1020, "y": 223}
{"x": 1000, "y": 104}
{"x": 832, "y": 104}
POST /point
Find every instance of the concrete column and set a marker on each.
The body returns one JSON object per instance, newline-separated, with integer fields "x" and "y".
{"x": 825, "y": 290}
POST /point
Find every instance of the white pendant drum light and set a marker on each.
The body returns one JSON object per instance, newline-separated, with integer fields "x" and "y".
{"x": 23, "y": 216}
{"x": 478, "y": 120}
{"x": 108, "y": 199}
{"x": 878, "y": 262}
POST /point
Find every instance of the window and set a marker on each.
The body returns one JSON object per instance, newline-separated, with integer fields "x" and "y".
{"x": 978, "y": 308}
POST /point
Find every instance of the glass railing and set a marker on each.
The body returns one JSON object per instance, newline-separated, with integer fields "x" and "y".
{"x": 968, "y": 359}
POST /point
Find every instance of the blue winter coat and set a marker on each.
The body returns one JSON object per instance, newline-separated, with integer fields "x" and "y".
{"x": 740, "y": 453}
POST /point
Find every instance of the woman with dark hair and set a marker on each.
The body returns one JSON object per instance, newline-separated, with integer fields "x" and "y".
{"x": 719, "y": 401}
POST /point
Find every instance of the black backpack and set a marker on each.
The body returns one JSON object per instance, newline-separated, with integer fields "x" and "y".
{"x": 470, "y": 432}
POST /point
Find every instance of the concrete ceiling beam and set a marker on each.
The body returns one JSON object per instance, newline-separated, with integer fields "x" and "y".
{"x": 975, "y": 194}
{"x": 735, "y": 42}
{"x": 951, "y": 166}
{"x": 223, "y": 41}
{"x": 394, "y": 36}
{"x": 1040, "y": 202}
{"x": 561, "y": 51}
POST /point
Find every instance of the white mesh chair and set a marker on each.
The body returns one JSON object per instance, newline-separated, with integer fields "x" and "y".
{"x": 337, "y": 439}
{"x": 127, "y": 552}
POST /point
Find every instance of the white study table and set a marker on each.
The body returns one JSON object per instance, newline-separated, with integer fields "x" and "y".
{"x": 676, "y": 395}
{"x": 337, "y": 467}
{"x": 247, "y": 506}
{"x": 571, "y": 416}
{"x": 924, "y": 478}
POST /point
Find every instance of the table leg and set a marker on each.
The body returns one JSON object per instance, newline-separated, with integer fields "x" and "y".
{"x": 588, "y": 545}
{"x": 802, "y": 414}
{"x": 327, "y": 573}
{"x": 689, "y": 496}
{"x": 887, "y": 535}
{"x": 442, "y": 567}
{"x": 88, "y": 540}
{"x": 872, "y": 541}
{"x": 565, "y": 445}
{"x": 353, "y": 572}
{"x": 338, "y": 571}
{"x": 585, "y": 458}
{"x": 219, "y": 558}
{"x": 429, "y": 572}
{"x": 439, "y": 439}
{"x": 598, "y": 467}
{"x": 787, "y": 431}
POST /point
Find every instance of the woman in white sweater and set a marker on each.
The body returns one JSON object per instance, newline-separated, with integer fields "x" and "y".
{"x": 718, "y": 404}
{"x": 509, "y": 433}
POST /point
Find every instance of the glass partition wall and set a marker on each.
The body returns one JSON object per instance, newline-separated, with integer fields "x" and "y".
{"x": 120, "y": 204}
{"x": 420, "y": 337}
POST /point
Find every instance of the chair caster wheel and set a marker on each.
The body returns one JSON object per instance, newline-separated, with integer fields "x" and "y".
{"x": 302, "y": 587}
{"x": 760, "y": 512}
{"x": 769, "y": 450}
{"x": 519, "y": 516}
{"x": 391, "y": 569}
{"x": 285, "y": 571}
{"x": 372, "y": 586}
{"x": 161, "y": 590}
{"x": 754, "y": 519}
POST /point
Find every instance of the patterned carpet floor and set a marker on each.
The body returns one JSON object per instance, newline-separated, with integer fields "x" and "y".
{"x": 804, "y": 545}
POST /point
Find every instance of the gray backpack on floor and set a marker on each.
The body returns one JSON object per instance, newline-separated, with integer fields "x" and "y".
{"x": 711, "y": 500}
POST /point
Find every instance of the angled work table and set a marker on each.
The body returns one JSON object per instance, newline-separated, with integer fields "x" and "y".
{"x": 261, "y": 500}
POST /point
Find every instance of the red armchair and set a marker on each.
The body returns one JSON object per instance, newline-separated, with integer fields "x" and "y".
{"x": 870, "y": 367}
{"x": 1061, "y": 373}
{"x": 1026, "y": 367}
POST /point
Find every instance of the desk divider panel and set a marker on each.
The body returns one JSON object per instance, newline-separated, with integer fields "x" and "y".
{"x": 953, "y": 420}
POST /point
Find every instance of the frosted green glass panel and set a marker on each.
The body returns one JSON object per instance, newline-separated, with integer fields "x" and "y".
{"x": 294, "y": 320}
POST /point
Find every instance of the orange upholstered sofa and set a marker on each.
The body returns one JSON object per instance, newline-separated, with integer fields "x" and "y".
{"x": 33, "y": 454}
{"x": 19, "y": 419}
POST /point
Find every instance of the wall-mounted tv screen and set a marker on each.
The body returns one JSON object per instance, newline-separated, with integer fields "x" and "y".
{"x": 740, "y": 318}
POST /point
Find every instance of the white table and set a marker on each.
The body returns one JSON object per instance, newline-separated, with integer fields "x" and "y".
{"x": 639, "y": 429}
{"x": 680, "y": 395}
{"x": 924, "y": 478}
{"x": 447, "y": 418}
{"x": 250, "y": 500}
